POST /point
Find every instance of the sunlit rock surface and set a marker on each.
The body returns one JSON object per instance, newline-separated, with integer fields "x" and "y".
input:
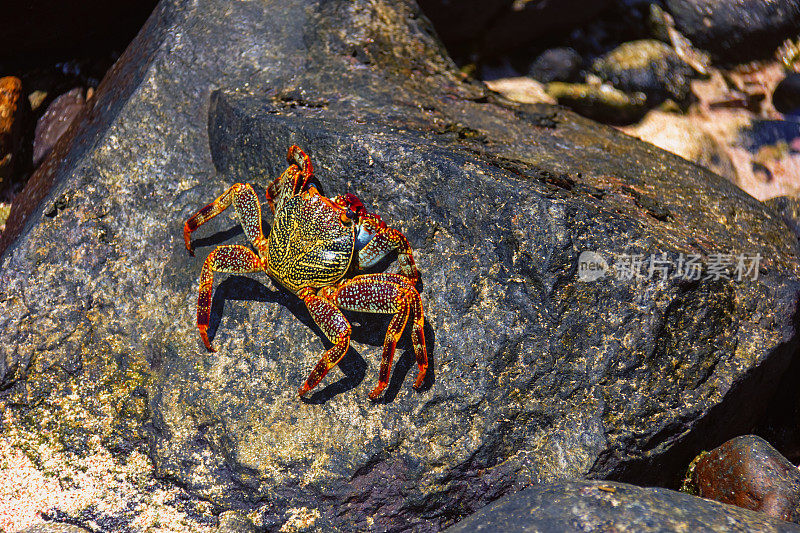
{"x": 536, "y": 375}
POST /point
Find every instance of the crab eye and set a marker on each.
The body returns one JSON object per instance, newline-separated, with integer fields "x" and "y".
{"x": 352, "y": 215}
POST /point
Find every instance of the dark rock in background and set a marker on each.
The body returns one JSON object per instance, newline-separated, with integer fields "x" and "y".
{"x": 736, "y": 30}
{"x": 786, "y": 97}
{"x": 649, "y": 67}
{"x": 600, "y": 102}
{"x": 493, "y": 28}
{"x": 749, "y": 473}
{"x": 54, "y": 122}
{"x": 788, "y": 207}
{"x": 536, "y": 375}
{"x": 585, "y": 506}
{"x": 556, "y": 64}
{"x": 45, "y": 31}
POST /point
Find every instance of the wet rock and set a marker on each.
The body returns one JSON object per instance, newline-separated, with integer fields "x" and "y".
{"x": 786, "y": 96}
{"x": 736, "y": 30}
{"x": 536, "y": 375}
{"x": 788, "y": 207}
{"x": 649, "y": 67}
{"x": 578, "y": 506}
{"x": 55, "y": 121}
{"x": 12, "y": 110}
{"x": 749, "y": 473}
{"x": 556, "y": 64}
{"x": 600, "y": 102}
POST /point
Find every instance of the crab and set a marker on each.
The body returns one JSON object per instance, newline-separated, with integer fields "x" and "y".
{"x": 315, "y": 249}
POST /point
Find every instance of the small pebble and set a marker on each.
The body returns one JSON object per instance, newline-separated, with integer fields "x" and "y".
{"x": 556, "y": 64}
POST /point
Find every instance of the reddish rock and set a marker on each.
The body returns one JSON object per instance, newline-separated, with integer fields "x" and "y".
{"x": 11, "y": 109}
{"x": 56, "y": 120}
{"x": 747, "y": 472}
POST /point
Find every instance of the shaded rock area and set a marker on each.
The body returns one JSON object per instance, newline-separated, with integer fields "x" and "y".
{"x": 786, "y": 96}
{"x": 749, "y": 473}
{"x": 59, "y": 30}
{"x": 474, "y": 26}
{"x": 789, "y": 209}
{"x": 736, "y": 29}
{"x": 536, "y": 375}
{"x": 556, "y": 64}
{"x": 585, "y": 506}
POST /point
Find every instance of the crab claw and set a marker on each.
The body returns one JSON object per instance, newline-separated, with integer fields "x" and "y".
{"x": 204, "y": 335}
{"x": 187, "y": 232}
{"x": 377, "y": 391}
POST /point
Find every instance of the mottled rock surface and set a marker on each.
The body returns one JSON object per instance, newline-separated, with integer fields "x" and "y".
{"x": 53, "y": 527}
{"x": 535, "y": 376}
{"x": 749, "y": 473}
{"x": 649, "y": 67}
{"x": 585, "y": 506}
{"x": 789, "y": 209}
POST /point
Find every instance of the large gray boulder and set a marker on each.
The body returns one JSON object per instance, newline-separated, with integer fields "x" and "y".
{"x": 536, "y": 375}
{"x": 589, "y": 506}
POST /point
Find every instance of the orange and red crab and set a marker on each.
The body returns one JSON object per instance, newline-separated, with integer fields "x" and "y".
{"x": 313, "y": 249}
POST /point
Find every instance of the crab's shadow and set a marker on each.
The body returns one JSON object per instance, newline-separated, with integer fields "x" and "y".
{"x": 367, "y": 329}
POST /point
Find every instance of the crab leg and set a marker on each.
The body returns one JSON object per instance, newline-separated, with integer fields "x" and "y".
{"x": 384, "y": 240}
{"x": 385, "y": 293}
{"x": 335, "y": 326}
{"x": 286, "y": 185}
{"x": 234, "y": 259}
{"x": 247, "y": 207}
